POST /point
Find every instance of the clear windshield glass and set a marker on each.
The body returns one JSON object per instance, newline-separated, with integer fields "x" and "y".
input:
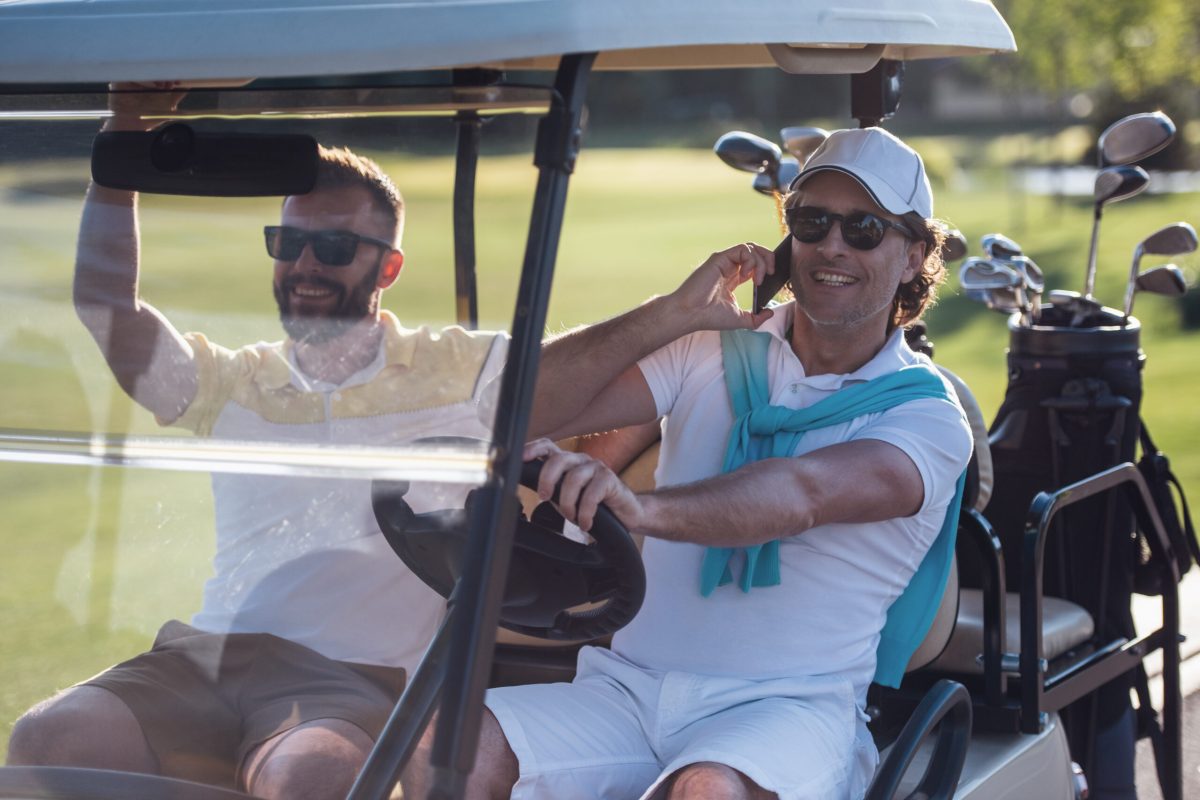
{"x": 199, "y": 391}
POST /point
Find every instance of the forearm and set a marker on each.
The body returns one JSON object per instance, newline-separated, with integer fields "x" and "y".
{"x": 760, "y": 502}
{"x": 778, "y": 497}
{"x": 577, "y": 366}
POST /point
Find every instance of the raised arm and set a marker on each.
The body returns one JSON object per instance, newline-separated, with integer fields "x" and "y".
{"x": 588, "y": 381}
{"x": 148, "y": 357}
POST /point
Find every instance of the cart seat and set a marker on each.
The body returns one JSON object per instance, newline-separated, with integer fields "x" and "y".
{"x": 1064, "y": 626}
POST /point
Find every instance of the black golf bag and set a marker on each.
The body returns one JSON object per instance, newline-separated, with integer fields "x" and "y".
{"x": 1071, "y": 410}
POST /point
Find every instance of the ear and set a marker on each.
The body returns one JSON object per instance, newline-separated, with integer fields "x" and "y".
{"x": 389, "y": 270}
{"x": 916, "y": 259}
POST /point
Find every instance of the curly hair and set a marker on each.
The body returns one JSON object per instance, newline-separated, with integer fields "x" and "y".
{"x": 917, "y": 296}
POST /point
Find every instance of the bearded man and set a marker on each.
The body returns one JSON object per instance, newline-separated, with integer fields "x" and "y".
{"x": 308, "y": 625}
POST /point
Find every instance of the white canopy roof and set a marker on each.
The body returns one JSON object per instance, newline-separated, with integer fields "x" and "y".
{"x": 65, "y": 41}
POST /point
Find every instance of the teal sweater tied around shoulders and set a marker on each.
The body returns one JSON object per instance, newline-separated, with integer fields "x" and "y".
{"x": 761, "y": 430}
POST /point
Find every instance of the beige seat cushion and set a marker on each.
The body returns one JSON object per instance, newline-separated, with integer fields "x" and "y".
{"x": 942, "y": 627}
{"x": 1064, "y": 625}
{"x": 979, "y": 432}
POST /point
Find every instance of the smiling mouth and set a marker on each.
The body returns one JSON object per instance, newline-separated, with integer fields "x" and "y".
{"x": 833, "y": 279}
{"x": 309, "y": 291}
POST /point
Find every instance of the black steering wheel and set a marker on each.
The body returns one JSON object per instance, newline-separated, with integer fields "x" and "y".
{"x": 549, "y": 576}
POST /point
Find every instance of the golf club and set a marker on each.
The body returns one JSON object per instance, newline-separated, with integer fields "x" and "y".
{"x": 997, "y": 245}
{"x": 996, "y": 285}
{"x": 954, "y": 246}
{"x": 777, "y": 183}
{"x": 1175, "y": 239}
{"x": 1113, "y": 184}
{"x": 749, "y": 153}
{"x": 801, "y": 141}
{"x": 1033, "y": 283}
{"x": 1166, "y": 280}
{"x": 980, "y": 274}
{"x": 1133, "y": 138}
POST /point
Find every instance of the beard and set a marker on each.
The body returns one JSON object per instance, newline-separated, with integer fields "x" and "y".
{"x": 352, "y": 305}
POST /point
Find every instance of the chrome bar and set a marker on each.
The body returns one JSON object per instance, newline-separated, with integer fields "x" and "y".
{"x": 434, "y": 462}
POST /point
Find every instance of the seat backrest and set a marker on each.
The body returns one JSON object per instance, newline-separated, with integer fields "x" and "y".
{"x": 975, "y": 495}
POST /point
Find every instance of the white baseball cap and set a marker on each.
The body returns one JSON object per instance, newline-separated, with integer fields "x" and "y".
{"x": 891, "y": 171}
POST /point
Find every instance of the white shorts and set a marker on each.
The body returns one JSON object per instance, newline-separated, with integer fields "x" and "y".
{"x": 620, "y": 731}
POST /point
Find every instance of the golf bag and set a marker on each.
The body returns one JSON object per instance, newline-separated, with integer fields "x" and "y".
{"x": 1071, "y": 409}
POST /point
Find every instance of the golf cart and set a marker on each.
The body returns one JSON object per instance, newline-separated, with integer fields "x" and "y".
{"x": 259, "y": 73}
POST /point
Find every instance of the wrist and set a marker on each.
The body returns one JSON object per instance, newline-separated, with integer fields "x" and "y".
{"x": 670, "y": 316}
{"x": 651, "y": 519}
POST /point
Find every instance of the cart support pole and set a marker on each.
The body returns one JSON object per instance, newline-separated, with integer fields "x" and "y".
{"x": 466, "y": 159}
{"x": 493, "y": 518}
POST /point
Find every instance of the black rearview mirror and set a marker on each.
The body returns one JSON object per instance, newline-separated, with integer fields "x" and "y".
{"x": 177, "y": 159}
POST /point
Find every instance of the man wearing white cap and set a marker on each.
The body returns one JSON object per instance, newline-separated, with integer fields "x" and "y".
{"x": 810, "y": 468}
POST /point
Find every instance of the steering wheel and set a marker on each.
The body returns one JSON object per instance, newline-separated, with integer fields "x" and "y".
{"x": 549, "y": 575}
{"x": 57, "y": 783}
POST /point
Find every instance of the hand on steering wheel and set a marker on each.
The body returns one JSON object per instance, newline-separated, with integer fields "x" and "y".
{"x": 550, "y": 577}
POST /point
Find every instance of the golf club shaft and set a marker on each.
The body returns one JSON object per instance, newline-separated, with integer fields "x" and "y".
{"x": 1090, "y": 278}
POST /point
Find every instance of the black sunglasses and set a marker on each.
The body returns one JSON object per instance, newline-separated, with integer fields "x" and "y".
{"x": 861, "y": 230}
{"x": 332, "y": 248}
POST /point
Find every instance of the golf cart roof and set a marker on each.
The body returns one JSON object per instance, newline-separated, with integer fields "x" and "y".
{"x": 65, "y": 41}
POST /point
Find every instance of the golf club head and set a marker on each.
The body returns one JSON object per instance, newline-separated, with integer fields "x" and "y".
{"x": 997, "y": 245}
{"x": 764, "y": 183}
{"x": 981, "y": 275}
{"x": 747, "y": 152}
{"x": 1173, "y": 240}
{"x": 789, "y": 168}
{"x": 1114, "y": 184}
{"x": 801, "y": 141}
{"x": 1063, "y": 298}
{"x": 954, "y": 246}
{"x": 1166, "y": 280}
{"x": 1031, "y": 274}
{"x": 1134, "y": 137}
{"x": 1006, "y": 301}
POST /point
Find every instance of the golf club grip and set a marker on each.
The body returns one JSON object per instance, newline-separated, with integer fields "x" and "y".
{"x": 772, "y": 283}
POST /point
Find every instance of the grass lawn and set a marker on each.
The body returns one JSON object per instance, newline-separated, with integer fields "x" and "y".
{"x": 94, "y": 559}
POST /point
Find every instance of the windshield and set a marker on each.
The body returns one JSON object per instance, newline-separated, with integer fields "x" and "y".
{"x": 200, "y": 390}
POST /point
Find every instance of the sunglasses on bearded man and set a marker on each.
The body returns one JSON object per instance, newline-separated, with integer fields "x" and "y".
{"x": 332, "y": 248}
{"x": 861, "y": 230}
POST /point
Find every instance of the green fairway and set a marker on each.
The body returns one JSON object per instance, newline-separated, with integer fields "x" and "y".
{"x": 95, "y": 558}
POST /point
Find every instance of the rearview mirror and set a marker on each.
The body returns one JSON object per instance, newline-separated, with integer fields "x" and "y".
{"x": 176, "y": 159}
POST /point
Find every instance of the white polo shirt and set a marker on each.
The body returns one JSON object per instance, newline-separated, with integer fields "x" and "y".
{"x": 838, "y": 580}
{"x": 303, "y": 558}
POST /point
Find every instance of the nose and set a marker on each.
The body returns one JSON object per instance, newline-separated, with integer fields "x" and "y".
{"x": 833, "y": 243}
{"x": 307, "y": 260}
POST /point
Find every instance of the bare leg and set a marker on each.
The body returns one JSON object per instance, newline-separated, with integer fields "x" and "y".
{"x": 710, "y": 781}
{"x": 496, "y": 769}
{"x": 319, "y": 759}
{"x": 85, "y": 726}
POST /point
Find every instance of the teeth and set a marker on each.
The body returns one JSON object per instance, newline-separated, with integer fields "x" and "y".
{"x": 831, "y": 278}
{"x": 311, "y": 291}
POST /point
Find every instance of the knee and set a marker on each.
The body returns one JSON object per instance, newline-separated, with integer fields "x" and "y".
{"x": 83, "y": 728}
{"x": 318, "y": 760}
{"x": 496, "y": 769}
{"x": 710, "y": 781}
{"x": 29, "y": 740}
{"x": 48, "y": 734}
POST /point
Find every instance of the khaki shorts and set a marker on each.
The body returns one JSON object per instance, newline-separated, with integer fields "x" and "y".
{"x": 205, "y": 700}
